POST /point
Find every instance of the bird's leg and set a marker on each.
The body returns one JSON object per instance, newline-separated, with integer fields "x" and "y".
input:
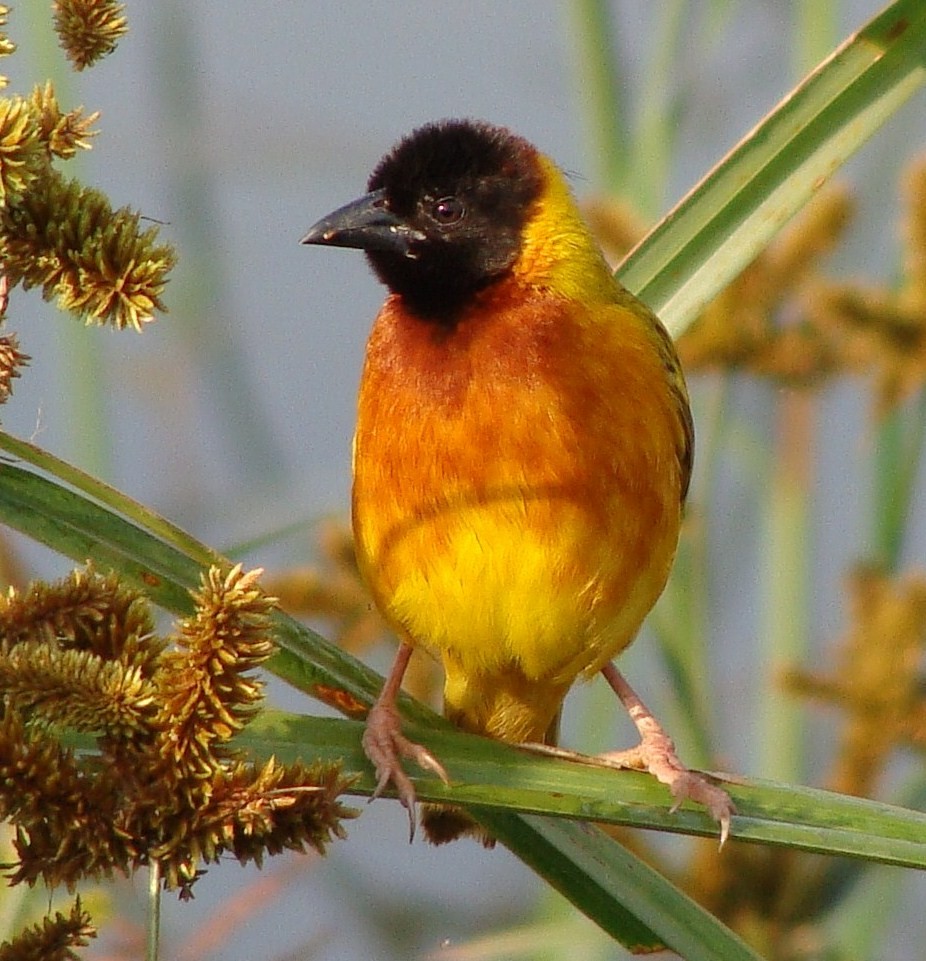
{"x": 384, "y": 744}
{"x": 656, "y": 754}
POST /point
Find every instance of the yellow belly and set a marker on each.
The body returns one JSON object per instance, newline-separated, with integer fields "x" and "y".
{"x": 508, "y": 583}
{"x": 517, "y": 595}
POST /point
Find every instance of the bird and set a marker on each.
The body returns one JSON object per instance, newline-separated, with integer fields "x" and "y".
{"x": 522, "y": 452}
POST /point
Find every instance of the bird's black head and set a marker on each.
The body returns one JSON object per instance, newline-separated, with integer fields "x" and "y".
{"x": 444, "y": 213}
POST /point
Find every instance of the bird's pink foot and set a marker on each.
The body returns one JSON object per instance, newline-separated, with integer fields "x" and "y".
{"x": 656, "y": 754}
{"x": 385, "y": 745}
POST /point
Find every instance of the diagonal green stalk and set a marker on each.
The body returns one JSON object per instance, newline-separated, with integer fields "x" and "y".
{"x": 730, "y": 216}
{"x": 105, "y": 494}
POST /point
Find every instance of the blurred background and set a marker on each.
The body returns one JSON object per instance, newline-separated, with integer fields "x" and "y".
{"x": 235, "y": 126}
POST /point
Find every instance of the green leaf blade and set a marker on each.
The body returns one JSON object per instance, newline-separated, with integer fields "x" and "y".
{"x": 731, "y": 215}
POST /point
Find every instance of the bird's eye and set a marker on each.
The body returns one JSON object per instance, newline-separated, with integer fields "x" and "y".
{"x": 448, "y": 210}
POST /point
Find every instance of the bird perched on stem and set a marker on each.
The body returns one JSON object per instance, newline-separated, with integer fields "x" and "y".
{"x": 522, "y": 452}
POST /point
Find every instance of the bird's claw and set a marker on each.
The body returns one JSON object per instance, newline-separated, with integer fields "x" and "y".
{"x": 656, "y": 754}
{"x": 385, "y": 745}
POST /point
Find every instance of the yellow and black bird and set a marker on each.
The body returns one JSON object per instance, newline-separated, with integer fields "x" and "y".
{"x": 522, "y": 452}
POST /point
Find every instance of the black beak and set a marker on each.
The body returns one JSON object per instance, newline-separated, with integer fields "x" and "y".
{"x": 366, "y": 224}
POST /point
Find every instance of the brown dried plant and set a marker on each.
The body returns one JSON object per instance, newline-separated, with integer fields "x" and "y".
{"x": 159, "y": 780}
{"x": 760, "y": 323}
{"x": 783, "y": 319}
{"x": 56, "y": 233}
{"x": 53, "y": 938}
{"x": 876, "y": 679}
{"x": 89, "y": 30}
{"x": 884, "y": 329}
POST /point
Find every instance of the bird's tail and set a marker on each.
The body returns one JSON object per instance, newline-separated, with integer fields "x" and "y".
{"x": 508, "y": 708}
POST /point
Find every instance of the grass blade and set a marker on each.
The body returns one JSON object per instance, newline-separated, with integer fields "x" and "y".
{"x": 732, "y": 214}
{"x": 492, "y": 777}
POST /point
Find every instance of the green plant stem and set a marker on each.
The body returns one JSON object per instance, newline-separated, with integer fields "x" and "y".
{"x": 786, "y": 569}
{"x": 153, "y": 920}
{"x": 601, "y": 97}
{"x": 654, "y": 144}
{"x": 899, "y": 444}
{"x": 103, "y": 493}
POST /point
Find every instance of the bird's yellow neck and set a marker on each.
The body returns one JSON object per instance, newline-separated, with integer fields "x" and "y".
{"x": 557, "y": 251}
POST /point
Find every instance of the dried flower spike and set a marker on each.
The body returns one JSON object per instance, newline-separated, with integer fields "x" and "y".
{"x": 207, "y": 694}
{"x": 6, "y": 45}
{"x": 23, "y": 158}
{"x": 53, "y": 939}
{"x": 64, "y": 133}
{"x": 88, "y": 30}
{"x": 66, "y": 238}
{"x": 163, "y": 783}
{"x": 877, "y": 681}
{"x": 742, "y": 327}
{"x": 11, "y": 360}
